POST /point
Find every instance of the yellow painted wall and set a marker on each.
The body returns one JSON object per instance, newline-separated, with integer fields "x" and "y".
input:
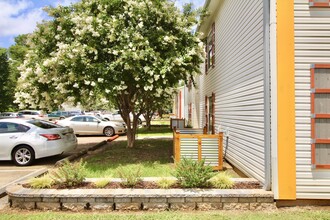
{"x": 286, "y": 100}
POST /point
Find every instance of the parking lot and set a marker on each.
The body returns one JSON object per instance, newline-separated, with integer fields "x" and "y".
{"x": 9, "y": 173}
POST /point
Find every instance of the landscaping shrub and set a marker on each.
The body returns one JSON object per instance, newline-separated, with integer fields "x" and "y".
{"x": 222, "y": 181}
{"x": 101, "y": 183}
{"x": 69, "y": 174}
{"x": 42, "y": 182}
{"x": 191, "y": 173}
{"x": 130, "y": 175}
{"x": 165, "y": 183}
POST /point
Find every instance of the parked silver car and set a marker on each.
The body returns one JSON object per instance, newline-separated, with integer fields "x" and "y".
{"x": 91, "y": 125}
{"x": 10, "y": 115}
{"x": 33, "y": 114}
{"x": 23, "y": 141}
{"x": 117, "y": 117}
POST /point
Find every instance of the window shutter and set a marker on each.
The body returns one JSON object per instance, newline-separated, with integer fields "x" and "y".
{"x": 213, "y": 44}
{"x": 319, "y": 3}
{"x": 213, "y": 113}
{"x": 206, "y": 114}
{"x": 320, "y": 116}
{"x": 206, "y": 56}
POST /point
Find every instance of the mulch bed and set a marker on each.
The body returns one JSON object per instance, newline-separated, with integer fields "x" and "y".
{"x": 147, "y": 185}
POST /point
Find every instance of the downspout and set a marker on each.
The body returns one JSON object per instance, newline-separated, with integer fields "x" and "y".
{"x": 267, "y": 94}
{"x": 180, "y": 104}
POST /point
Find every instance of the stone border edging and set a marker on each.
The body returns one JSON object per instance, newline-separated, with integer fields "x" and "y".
{"x": 139, "y": 199}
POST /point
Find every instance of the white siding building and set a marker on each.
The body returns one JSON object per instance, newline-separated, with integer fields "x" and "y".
{"x": 266, "y": 83}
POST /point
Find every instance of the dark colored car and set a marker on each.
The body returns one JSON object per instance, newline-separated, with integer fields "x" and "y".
{"x": 59, "y": 115}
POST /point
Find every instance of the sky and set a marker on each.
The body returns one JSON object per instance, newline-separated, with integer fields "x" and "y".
{"x": 21, "y": 16}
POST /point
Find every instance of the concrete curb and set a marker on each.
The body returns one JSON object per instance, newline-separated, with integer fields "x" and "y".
{"x": 23, "y": 178}
{"x": 80, "y": 153}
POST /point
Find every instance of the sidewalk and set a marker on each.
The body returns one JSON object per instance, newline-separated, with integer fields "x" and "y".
{"x": 10, "y": 174}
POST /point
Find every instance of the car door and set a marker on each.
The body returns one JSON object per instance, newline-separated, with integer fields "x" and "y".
{"x": 10, "y": 135}
{"x": 78, "y": 124}
{"x": 93, "y": 125}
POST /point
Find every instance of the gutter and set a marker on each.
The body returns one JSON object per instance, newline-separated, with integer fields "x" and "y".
{"x": 267, "y": 94}
{"x": 206, "y": 5}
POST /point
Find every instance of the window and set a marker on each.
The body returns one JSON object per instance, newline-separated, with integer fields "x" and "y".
{"x": 44, "y": 124}
{"x": 319, "y": 3}
{"x": 210, "y": 49}
{"x": 8, "y": 127}
{"x": 79, "y": 119}
{"x": 320, "y": 115}
{"x": 190, "y": 114}
{"x": 91, "y": 119}
{"x": 210, "y": 113}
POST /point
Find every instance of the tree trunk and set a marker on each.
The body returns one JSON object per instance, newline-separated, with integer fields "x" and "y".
{"x": 130, "y": 138}
{"x": 148, "y": 117}
{"x": 125, "y": 104}
{"x": 131, "y": 127}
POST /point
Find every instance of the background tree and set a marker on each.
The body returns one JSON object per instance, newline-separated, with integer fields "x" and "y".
{"x": 16, "y": 58}
{"x": 17, "y": 54}
{"x": 116, "y": 49}
{"x": 156, "y": 103}
{"x": 5, "y": 88}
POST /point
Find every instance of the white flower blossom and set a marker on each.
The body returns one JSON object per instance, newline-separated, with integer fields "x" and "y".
{"x": 98, "y": 47}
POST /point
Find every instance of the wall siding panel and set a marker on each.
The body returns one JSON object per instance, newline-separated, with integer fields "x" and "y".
{"x": 312, "y": 46}
{"x": 238, "y": 83}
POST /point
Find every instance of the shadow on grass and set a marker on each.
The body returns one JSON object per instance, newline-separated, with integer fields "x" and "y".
{"x": 154, "y": 156}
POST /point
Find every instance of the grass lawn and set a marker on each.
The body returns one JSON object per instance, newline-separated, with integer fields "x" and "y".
{"x": 287, "y": 214}
{"x": 153, "y": 155}
{"x": 156, "y": 130}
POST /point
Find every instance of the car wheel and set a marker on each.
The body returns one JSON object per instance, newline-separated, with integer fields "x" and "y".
{"x": 23, "y": 155}
{"x": 109, "y": 131}
{"x": 61, "y": 118}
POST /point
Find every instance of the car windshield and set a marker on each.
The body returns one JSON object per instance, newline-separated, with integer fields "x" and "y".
{"x": 44, "y": 124}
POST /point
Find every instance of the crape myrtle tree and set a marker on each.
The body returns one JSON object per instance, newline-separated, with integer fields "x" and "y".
{"x": 119, "y": 50}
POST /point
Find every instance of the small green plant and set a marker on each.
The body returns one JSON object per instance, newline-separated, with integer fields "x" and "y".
{"x": 222, "y": 181}
{"x": 191, "y": 173}
{"x": 165, "y": 183}
{"x": 43, "y": 182}
{"x": 101, "y": 183}
{"x": 69, "y": 174}
{"x": 130, "y": 175}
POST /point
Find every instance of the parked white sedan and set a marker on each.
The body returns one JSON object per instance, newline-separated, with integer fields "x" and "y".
{"x": 91, "y": 125}
{"x": 23, "y": 141}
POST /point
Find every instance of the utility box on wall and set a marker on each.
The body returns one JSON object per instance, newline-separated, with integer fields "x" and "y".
{"x": 199, "y": 146}
{"x": 177, "y": 123}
